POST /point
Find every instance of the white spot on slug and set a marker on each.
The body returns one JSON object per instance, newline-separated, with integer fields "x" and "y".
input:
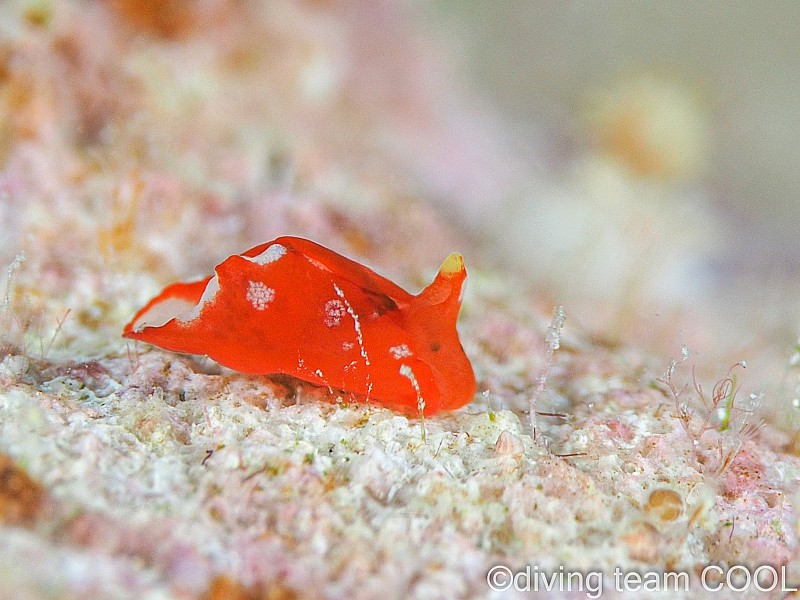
{"x": 259, "y": 295}
{"x": 408, "y": 372}
{"x": 401, "y": 351}
{"x": 347, "y": 346}
{"x": 176, "y": 308}
{"x": 335, "y": 310}
{"x": 208, "y": 296}
{"x": 317, "y": 264}
{"x": 162, "y": 313}
{"x": 359, "y": 335}
{"x": 269, "y": 255}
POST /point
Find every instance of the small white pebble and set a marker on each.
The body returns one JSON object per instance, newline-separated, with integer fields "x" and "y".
{"x": 13, "y": 366}
{"x": 509, "y": 444}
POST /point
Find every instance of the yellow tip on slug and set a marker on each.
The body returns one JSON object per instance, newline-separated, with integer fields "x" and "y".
{"x": 452, "y": 265}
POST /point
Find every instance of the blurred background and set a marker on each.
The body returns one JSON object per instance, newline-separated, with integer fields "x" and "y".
{"x": 663, "y": 142}
{"x": 728, "y": 77}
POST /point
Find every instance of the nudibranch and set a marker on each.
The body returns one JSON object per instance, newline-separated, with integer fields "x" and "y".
{"x": 293, "y": 306}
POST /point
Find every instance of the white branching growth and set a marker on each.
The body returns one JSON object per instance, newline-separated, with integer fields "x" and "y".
{"x": 9, "y": 322}
{"x": 12, "y": 268}
{"x": 723, "y": 411}
{"x": 552, "y": 342}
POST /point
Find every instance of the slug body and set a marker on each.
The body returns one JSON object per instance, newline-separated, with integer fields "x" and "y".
{"x": 292, "y": 306}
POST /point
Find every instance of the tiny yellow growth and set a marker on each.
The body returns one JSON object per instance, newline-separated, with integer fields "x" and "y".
{"x": 452, "y": 265}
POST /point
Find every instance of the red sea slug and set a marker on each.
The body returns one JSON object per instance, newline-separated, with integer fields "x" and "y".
{"x": 292, "y": 306}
